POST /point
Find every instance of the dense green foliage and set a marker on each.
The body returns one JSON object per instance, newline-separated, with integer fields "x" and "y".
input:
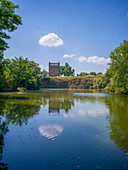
{"x": 119, "y": 68}
{"x": 93, "y": 73}
{"x": 17, "y": 72}
{"x": 8, "y": 22}
{"x": 102, "y": 82}
{"x": 21, "y": 72}
{"x": 66, "y": 70}
{"x": 99, "y": 73}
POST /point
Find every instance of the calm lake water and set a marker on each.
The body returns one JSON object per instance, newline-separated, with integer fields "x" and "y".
{"x": 63, "y": 129}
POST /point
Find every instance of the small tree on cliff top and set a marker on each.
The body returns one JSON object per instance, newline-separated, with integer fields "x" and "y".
{"x": 66, "y": 70}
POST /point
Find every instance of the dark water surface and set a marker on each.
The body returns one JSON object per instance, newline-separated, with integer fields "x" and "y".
{"x": 63, "y": 129}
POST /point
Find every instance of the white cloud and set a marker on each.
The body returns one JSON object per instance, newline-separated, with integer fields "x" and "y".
{"x": 82, "y": 58}
{"x": 42, "y": 67}
{"x": 68, "y": 55}
{"x": 50, "y": 131}
{"x": 51, "y": 40}
{"x": 108, "y": 60}
{"x": 98, "y": 60}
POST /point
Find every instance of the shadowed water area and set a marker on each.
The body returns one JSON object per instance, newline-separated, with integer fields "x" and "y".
{"x": 63, "y": 129}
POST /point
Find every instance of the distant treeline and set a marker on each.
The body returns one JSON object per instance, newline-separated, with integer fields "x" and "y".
{"x": 91, "y": 73}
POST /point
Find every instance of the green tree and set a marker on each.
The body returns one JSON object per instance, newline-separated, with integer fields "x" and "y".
{"x": 82, "y": 74}
{"x": 93, "y": 73}
{"x": 21, "y": 72}
{"x": 18, "y": 110}
{"x": 8, "y": 22}
{"x": 119, "y": 68}
{"x": 99, "y": 73}
{"x": 66, "y": 70}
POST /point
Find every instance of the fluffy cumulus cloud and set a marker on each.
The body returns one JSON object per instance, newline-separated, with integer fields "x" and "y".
{"x": 82, "y": 58}
{"x": 68, "y": 55}
{"x": 98, "y": 60}
{"x": 51, "y": 40}
{"x": 50, "y": 131}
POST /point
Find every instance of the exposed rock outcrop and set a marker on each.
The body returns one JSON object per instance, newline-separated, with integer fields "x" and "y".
{"x": 79, "y": 83}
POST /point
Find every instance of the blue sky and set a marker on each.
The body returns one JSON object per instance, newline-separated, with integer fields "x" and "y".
{"x": 80, "y": 32}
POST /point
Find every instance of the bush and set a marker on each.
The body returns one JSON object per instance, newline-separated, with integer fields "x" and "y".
{"x": 21, "y": 89}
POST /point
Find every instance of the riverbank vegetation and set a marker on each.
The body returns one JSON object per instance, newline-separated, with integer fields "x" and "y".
{"x": 20, "y": 72}
{"x": 118, "y": 69}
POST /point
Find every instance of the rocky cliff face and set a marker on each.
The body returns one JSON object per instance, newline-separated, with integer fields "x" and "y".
{"x": 78, "y": 83}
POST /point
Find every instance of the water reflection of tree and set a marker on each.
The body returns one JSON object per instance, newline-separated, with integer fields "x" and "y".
{"x": 19, "y": 114}
{"x": 3, "y": 131}
{"x": 16, "y": 110}
{"x": 118, "y": 120}
{"x": 65, "y": 100}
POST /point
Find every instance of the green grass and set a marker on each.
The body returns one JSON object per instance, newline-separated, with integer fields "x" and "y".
{"x": 67, "y": 78}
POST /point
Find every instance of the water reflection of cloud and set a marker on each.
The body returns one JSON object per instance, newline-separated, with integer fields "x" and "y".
{"x": 97, "y": 111}
{"x": 82, "y": 112}
{"x": 93, "y": 112}
{"x": 91, "y": 94}
{"x": 69, "y": 115}
{"x": 50, "y": 131}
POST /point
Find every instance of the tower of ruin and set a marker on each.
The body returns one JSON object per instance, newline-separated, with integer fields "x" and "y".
{"x": 54, "y": 69}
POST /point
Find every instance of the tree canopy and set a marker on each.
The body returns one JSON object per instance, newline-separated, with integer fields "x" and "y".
{"x": 99, "y": 73}
{"x": 8, "y": 22}
{"x": 82, "y": 74}
{"x": 20, "y": 72}
{"x": 66, "y": 70}
{"x": 119, "y": 68}
{"x": 93, "y": 73}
